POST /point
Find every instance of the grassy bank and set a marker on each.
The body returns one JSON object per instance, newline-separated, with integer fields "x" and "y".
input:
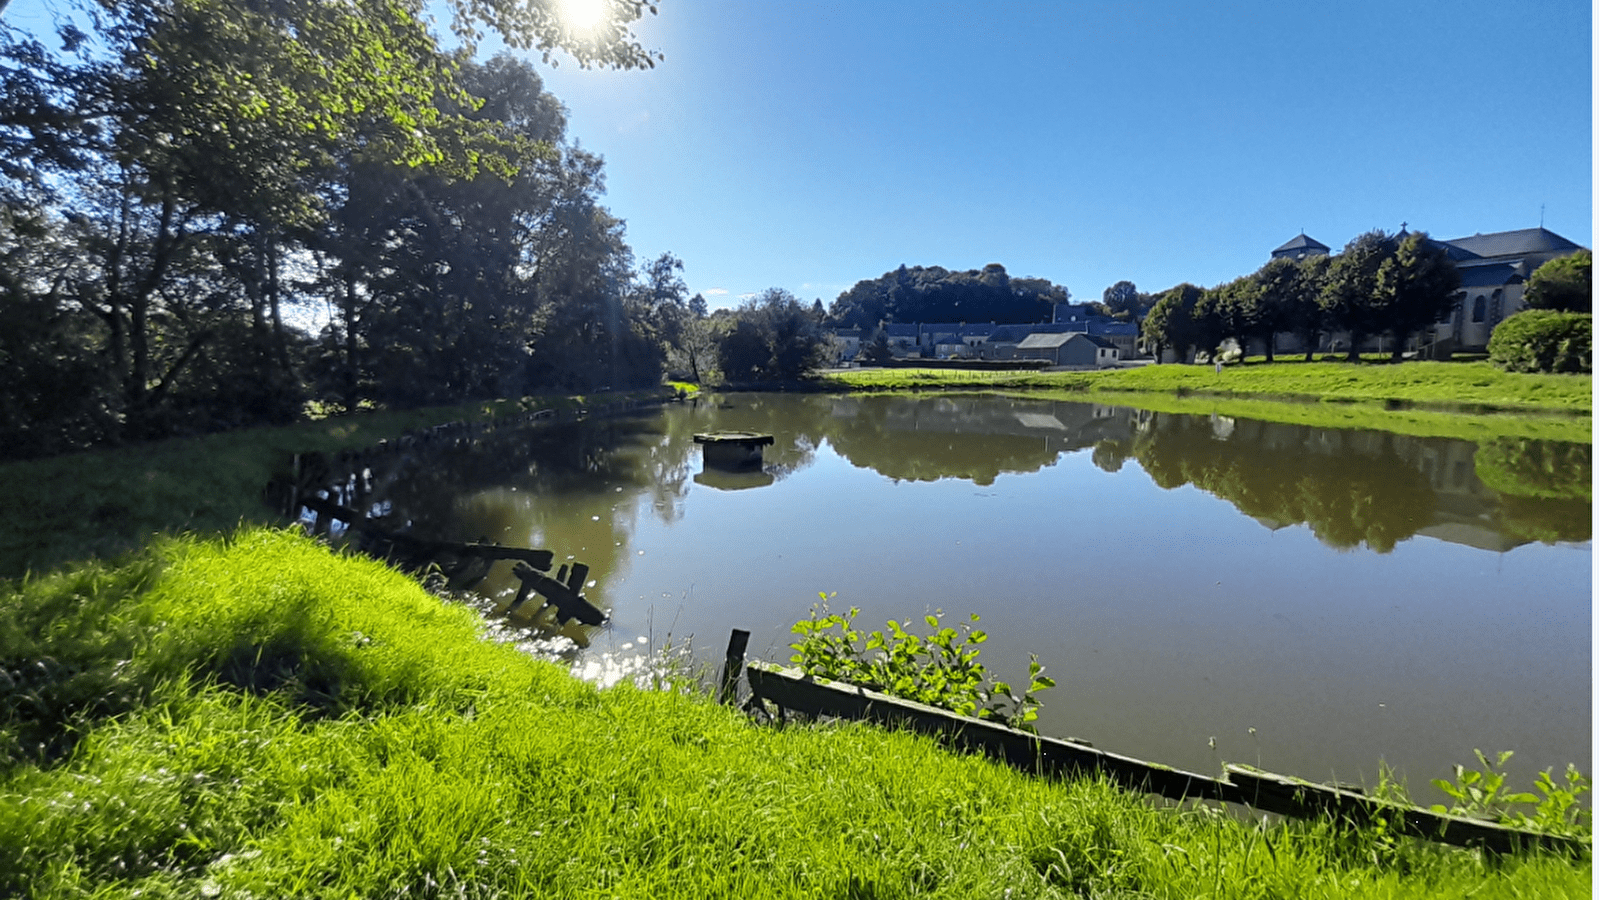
{"x": 1374, "y": 392}
{"x": 106, "y": 501}
{"x": 259, "y": 717}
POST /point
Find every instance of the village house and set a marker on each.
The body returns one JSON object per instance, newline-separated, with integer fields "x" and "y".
{"x": 1075, "y": 348}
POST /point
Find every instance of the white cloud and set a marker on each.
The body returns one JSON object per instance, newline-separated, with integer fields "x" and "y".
{"x": 715, "y": 292}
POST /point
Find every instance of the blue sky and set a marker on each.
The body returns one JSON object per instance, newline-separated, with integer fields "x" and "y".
{"x": 809, "y": 145}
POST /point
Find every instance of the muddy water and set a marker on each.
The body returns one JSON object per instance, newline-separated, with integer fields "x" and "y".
{"x": 1349, "y": 596}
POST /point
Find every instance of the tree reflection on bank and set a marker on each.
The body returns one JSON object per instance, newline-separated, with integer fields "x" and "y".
{"x": 1351, "y": 488}
{"x": 579, "y": 488}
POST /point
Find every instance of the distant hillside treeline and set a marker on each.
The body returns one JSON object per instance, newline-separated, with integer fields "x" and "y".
{"x": 935, "y": 294}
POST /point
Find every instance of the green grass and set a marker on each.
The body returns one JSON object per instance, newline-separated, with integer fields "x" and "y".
{"x": 1446, "y": 385}
{"x": 102, "y": 502}
{"x": 259, "y": 717}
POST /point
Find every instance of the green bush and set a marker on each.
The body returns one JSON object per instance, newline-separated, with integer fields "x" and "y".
{"x": 1540, "y": 340}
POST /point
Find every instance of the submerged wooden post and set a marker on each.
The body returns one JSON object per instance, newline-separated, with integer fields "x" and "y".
{"x": 568, "y": 605}
{"x": 521, "y": 598}
{"x": 733, "y": 666}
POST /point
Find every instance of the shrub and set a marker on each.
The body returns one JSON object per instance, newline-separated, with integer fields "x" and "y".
{"x": 1539, "y": 340}
{"x": 1564, "y": 284}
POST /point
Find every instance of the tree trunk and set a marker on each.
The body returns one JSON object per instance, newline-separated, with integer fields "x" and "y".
{"x": 280, "y": 346}
{"x": 351, "y": 369}
{"x": 1355, "y": 338}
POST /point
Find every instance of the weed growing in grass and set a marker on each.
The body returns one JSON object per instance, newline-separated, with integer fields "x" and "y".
{"x": 940, "y": 669}
{"x": 1480, "y": 793}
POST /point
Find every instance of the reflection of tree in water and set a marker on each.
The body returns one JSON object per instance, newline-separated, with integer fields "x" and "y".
{"x": 572, "y": 488}
{"x": 1545, "y": 487}
{"x": 1109, "y": 455}
{"x": 1364, "y": 487}
{"x": 912, "y": 438}
{"x": 975, "y": 438}
{"x": 1349, "y": 487}
{"x": 1524, "y": 467}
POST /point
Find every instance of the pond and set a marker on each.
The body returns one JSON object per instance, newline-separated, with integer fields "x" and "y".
{"x": 1314, "y": 600}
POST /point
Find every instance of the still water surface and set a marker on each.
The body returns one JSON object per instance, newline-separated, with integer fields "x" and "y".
{"x": 1349, "y": 595}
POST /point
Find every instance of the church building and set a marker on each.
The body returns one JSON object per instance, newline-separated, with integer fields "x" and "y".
{"x": 1494, "y": 269}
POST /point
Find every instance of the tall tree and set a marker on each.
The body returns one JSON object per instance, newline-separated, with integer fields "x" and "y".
{"x": 193, "y": 165}
{"x": 1290, "y": 289}
{"x": 1415, "y": 287}
{"x": 1350, "y": 286}
{"x": 775, "y": 338}
{"x": 1171, "y": 322}
{"x": 1123, "y": 299}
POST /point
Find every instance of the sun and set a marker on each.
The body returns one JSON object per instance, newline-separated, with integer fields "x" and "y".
{"x": 583, "y": 15}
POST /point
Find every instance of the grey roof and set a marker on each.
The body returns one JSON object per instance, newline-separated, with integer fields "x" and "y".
{"x": 1489, "y": 274}
{"x": 1521, "y": 242}
{"x": 1044, "y": 341}
{"x": 1098, "y": 341}
{"x": 1010, "y": 334}
{"x": 1302, "y": 242}
{"x": 895, "y": 329}
{"x": 1051, "y": 340}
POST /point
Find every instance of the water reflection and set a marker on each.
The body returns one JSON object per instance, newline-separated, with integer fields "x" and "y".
{"x": 1093, "y": 536}
{"x": 1355, "y": 488}
{"x": 580, "y": 488}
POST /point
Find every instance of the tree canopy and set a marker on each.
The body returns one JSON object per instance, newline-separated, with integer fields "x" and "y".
{"x": 774, "y": 337}
{"x": 218, "y": 210}
{"x": 1564, "y": 284}
{"x": 936, "y": 294}
{"x": 1381, "y": 284}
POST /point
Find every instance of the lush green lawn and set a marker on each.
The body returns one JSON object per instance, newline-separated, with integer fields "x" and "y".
{"x": 258, "y": 717}
{"x": 1444, "y": 385}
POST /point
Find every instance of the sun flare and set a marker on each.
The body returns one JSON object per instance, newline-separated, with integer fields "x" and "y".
{"x": 583, "y": 15}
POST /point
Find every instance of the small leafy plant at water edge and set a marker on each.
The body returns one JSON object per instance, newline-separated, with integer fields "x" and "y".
{"x": 939, "y": 669}
{"x": 1481, "y": 794}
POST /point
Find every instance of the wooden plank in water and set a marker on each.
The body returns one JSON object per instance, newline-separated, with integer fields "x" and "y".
{"x": 568, "y": 604}
{"x": 327, "y": 509}
{"x": 1302, "y": 799}
{"x": 793, "y": 690}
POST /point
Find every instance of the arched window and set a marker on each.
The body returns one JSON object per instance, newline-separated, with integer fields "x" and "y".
{"x": 1479, "y": 309}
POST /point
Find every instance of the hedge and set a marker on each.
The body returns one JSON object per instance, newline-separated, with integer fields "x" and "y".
{"x": 1543, "y": 340}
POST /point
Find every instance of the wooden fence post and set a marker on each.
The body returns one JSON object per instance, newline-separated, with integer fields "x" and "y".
{"x": 733, "y": 666}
